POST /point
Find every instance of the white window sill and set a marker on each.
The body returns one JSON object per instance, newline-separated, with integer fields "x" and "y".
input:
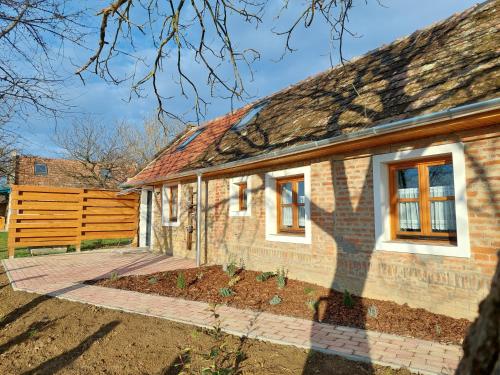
{"x": 239, "y": 213}
{"x": 288, "y": 238}
{"x": 424, "y": 249}
{"x": 172, "y": 224}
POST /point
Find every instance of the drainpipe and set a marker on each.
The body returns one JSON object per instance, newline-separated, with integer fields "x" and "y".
{"x": 198, "y": 220}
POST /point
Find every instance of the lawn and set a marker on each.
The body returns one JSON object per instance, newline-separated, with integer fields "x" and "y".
{"x": 43, "y": 335}
{"x": 86, "y": 246}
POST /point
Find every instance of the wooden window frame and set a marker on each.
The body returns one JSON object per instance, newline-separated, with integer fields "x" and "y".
{"x": 295, "y": 229}
{"x": 171, "y": 202}
{"x": 424, "y": 200}
{"x": 242, "y": 191}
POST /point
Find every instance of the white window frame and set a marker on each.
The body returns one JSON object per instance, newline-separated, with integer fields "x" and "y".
{"x": 165, "y": 211}
{"x": 272, "y": 233}
{"x": 383, "y": 241}
{"x": 234, "y": 196}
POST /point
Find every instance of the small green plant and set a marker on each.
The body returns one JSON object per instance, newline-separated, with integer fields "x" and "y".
{"x": 32, "y": 332}
{"x": 437, "y": 327}
{"x": 276, "y": 300}
{"x": 181, "y": 281}
{"x": 114, "y": 276}
{"x": 308, "y": 290}
{"x": 281, "y": 278}
{"x": 348, "y": 301}
{"x": 372, "y": 311}
{"x": 152, "y": 280}
{"x": 231, "y": 268}
{"x": 233, "y": 281}
{"x": 264, "y": 276}
{"x": 226, "y": 292}
{"x": 312, "y": 305}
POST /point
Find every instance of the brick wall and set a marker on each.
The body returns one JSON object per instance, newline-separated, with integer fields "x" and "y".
{"x": 60, "y": 172}
{"x": 342, "y": 252}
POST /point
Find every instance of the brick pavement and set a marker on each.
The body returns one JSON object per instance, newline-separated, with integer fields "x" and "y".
{"x": 61, "y": 276}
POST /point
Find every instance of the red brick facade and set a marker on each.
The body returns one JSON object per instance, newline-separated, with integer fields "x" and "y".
{"x": 60, "y": 172}
{"x": 342, "y": 254}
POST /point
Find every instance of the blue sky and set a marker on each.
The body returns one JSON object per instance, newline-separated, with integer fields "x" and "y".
{"x": 374, "y": 25}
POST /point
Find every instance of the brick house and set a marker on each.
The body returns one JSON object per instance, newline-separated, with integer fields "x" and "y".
{"x": 38, "y": 171}
{"x": 380, "y": 176}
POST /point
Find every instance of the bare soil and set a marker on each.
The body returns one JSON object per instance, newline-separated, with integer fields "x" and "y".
{"x": 43, "y": 335}
{"x": 298, "y": 299}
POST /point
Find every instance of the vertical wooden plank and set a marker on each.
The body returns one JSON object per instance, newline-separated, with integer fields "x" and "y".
{"x": 78, "y": 245}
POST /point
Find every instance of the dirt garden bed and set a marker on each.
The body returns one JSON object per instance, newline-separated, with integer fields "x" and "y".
{"x": 297, "y": 298}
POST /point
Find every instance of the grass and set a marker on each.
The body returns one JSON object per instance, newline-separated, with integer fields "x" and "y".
{"x": 86, "y": 246}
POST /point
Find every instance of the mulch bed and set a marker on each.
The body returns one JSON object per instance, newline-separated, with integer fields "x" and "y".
{"x": 203, "y": 284}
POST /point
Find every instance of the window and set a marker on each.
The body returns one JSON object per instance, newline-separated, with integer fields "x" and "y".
{"x": 189, "y": 139}
{"x": 240, "y": 196}
{"x": 423, "y": 200}
{"x": 41, "y": 169}
{"x": 288, "y": 205}
{"x": 171, "y": 205}
{"x": 249, "y": 116}
{"x": 291, "y": 204}
{"x": 420, "y": 201}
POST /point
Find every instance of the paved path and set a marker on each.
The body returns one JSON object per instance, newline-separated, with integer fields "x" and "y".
{"x": 61, "y": 276}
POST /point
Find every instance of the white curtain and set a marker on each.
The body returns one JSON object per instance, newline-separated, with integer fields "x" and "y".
{"x": 409, "y": 215}
{"x": 286, "y": 198}
{"x": 443, "y": 212}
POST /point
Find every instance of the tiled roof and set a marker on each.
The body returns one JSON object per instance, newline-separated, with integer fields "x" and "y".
{"x": 172, "y": 160}
{"x": 449, "y": 64}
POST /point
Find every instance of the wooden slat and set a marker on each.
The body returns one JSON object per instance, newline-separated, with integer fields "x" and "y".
{"x": 44, "y": 243}
{"x": 107, "y": 235}
{"x": 62, "y": 216}
{"x": 45, "y": 197}
{"x": 56, "y": 206}
{"x": 108, "y": 194}
{"x": 63, "y": 224}
{"x": 95, "y": 202}
{"x": 109, "y": 218}
{"x": 109, "y": 211}
{"x": 45, "y": 189}
{"x": 107, "y": 227}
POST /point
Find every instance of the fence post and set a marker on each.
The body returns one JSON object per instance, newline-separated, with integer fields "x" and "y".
{"x": 78, "y": 245}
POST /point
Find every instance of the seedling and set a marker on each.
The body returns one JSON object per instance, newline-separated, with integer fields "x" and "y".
{"x": 276, "y": 300}
{"x": 231, "y": 268}
{"x": 181, "y": 281}
{"x": 348, "y": 301}
{"x": 114, "y": 276}
{"x": 312, "y": 305}
{"x": 264, "y": 276}
{"x": 308, "y": 290}
{"x": 281, "y": 278}
{"x": 152, "y": 280}
{"x": 372, "y": 311}
{"x": 226, "y": 292}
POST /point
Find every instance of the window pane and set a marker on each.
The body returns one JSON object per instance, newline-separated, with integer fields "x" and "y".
{"x": 286, "y": 193}
{"x": 244, "y": 198}
{"x": 407, "y": 183}
{"x": 302, "y": 216}
{"x": 286, "y": 216}
{"x": 441, "y": 180}
{"x": 443, "y": 216}
{"x": 300, "y": 193}
{"x": 173, "y": 202}
{"x": 409, "y": 217}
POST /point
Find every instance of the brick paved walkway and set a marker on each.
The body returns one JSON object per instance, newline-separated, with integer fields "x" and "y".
{"x": 60, "y": 276}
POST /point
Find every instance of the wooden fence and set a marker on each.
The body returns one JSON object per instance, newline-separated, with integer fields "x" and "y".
{"x": 52, "y": 216}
